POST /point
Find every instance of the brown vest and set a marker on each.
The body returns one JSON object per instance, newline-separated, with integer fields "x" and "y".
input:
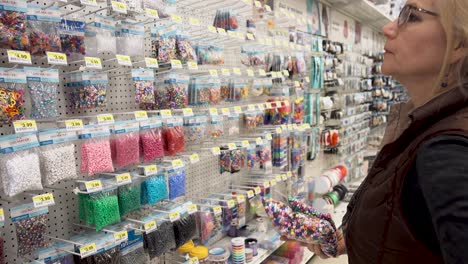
{"x": 376, "y": 229}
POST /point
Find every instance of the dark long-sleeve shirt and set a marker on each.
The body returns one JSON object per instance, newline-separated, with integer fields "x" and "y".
{"x": 435, "y": 197}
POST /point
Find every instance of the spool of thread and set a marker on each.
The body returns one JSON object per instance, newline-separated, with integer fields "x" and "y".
{"x": 252, "y": 243}
{"x": 238, "y": 250}
{"x": 330, "y": 178}
{"x": 341, "y": 190}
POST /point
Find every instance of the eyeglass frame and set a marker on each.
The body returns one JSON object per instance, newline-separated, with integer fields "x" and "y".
{"x": 413, "y": 8}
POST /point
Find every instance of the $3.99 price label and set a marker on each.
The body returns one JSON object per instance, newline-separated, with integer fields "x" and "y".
{"x": 217, "y": 210}
{"x": 121, "y": 237}
{"x": 24, "y": 126}
{"x": 74, "y": 124}
{"x": 88, "y": 250}
{"x": 93, "y": 63}
{"x": 93, "y": 186}
{"x": 150, "y": 226}
{"x": 56, "y": 58}
{"x": 174, "y": 216}
{"x": 123, "y": 178}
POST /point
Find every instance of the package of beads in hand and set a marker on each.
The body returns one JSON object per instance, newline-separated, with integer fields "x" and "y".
{"x": 185, "y": 50}
{"x": 130, "y": 38}
{"x": 195, "y": 129}
{"x": 42, "y": 87}
{"x": 100, "y": 36}
{"x": 57, "y": 155}
{"x": 20, "y": 169}
{"x": 87, "y": 89}
{"x": 151, "y": 139}
{"x": 42, "y": 29}
{"x": 154, "y": 189}
{"x": 173, "y": 90}
{"x": 300, "y": 222}
{"x": 125, "y": 143}
{"x": 129, "y": 197}
{"x": 174, "y": 139}
{"x": 176, "y": 175}
{"x": 163, "y": 43}
{"x": 72, "y": 36}
{"x": 143, "y": 79}
{"x": 56, "y": 253}
{"x": 216, "y": 130}
{"x": 96, "y": 155}
{"x": 12, "y": 88}
{"x": 13, "y": 33}
{"x": 31, "y": 227}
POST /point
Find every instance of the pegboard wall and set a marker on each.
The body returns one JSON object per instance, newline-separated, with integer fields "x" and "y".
{"x": 203, "y": 178}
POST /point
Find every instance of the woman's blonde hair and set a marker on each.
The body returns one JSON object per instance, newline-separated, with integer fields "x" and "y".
{"x": 454, "y": 18}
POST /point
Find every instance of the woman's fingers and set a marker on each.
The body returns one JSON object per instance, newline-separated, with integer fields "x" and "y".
{"x": 317, "y": 251}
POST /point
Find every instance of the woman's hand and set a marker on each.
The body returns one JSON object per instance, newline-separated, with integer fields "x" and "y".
{"x": 316, "y": 249}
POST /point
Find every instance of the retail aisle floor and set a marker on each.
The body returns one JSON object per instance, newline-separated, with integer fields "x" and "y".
{"x": 341, "y": 260}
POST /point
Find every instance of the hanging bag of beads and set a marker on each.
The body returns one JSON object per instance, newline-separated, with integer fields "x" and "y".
{"x": 163, "y": 43}
{"x": 151, "y": 139}
{"x": 125, "y": 143}
{"x": 133, "y": 251}
{"x": 58, "y": 155}
{"x": 263, "y": 151}
{"x": 214, "y": 85}
{"x": 175, "y": 91}
{"x": 129, "y": 197}
{"x": 202, "y": 88}
{"x": 42, "y": 86}
{"x": 241, "y": 210}
{"x": 19, "y": 163}
{"x": 88, "y": 90}
{"x": 174, "y": 140}
{"x": 130, "y": 38}
{"x": 72, "y": 36}
{"x": 12, "y": 85}
{"x": 231, "y": 127}
{"x": 195, "y": 129}
{"x": 95, "y": 151}
{"x": 42, "y": 28}
{"x": 143, "y": 79}
{"x": 250, "y": 121}
{"x": 100, "y": 36}
{"x": 30, "y": 226}
{"x": 216, "y": 130}
{"x": 299, "y": 112}
{"x": 154, "y": 189}
{"x": 185, "y": 224}
{"x": 102, "y": 208}
{"x": 185, "y": 50}
{"x": 55, "y": 254}
{"x": 160, "y": 240}
{"x": 107, "y": 252}
{"x": 13, "y": 33}
{"x": 176, "y": 175}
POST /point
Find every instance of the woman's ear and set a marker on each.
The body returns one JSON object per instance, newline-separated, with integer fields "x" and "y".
{"x": 460, "y": 52}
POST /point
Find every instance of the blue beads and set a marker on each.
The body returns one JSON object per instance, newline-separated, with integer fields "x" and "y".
{"x": 154, "y": 190}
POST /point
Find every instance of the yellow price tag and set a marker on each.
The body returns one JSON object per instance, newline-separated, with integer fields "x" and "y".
{"x": 225, "y": 111}
{"x": 2, "y": 215}
{"x": 245, "y": 143}
{"x": 165, "y": 113}
{"x": 273, "y": 182}
{"x": 307, "y": 79}
{"x": 43, "y": 200}
{"x": 176, "y": 18}
{"x": 176, "y": 64}
{"x": 284, "y": 177}
{"x": 225, "y": 72}
{"x": 213, "y": 111}
{"x": 266, "y": 184}
{"x": 18, "y": 56}
{"x": 140, "y": 115}
{"x": 152, "y": 13}
{"x": 284, "y": 127}
{"x": 259, "y": 141}
{"x": 192, "y": 65}
{"x": 88, "y": 250}
{"x": 150, "y": 170}
{"x": 151, "y": 63}
{"x": 258, "y": 4}
{"x": 237, "y": 109}
{"x": 56, "y": 58}
{"x": 177, "y": 163}
{"x": 240, "y": 198}
{"x": 274, "y": 74}
{"x": 120, "y": 237}
{"x": 217, "y": 210}
{"x": 123, "y": 60}
{"x": 221, "y": 31}
{"x": 93, "y": 63}
{"x": 258, "y": 190}
{"x": 268, "y": 105}
{"x": 89, "y": 2}
{"x": 250, "y": 73}
{"x": 123, "y": 178}
{"x": 194, "y": 21}
{"x": 240, "y": 35}
{"x": 278, "y": 178}
{"x": 194, "y": 158}
{"x": 187, "y": 112}
{"x": 251, "y": 107}
{"x": 231, "y": 203}
{"x": 261, "y": 107}
{"x": 232, "y": 146}
{"x": 150, "y": 226}
{"x": 237, "y": 71}
{"x": 250, "y": 36}
{"x": 279, "y": 130}
{"x": 119, "y": 7}
{"x": 289, "y": 174}
{"x": 105, "y": 119}
{"x": 74, "y": 124}
{"x": 174, "y": 216}
{"x": 216, "y": 151}
{"x": 214, "y": 73}
{"x": 267, "y": 8}
{"x": 286, "y": 73}
{"x": 22, "y": 126}
{"x": 212, "y": 29}
{"x": 93, "y": 186}
{"x": 290, "y": 127}
{"x": 192, "y": 208}
{"x": 262, "y": 72}
{"x": 250, "y": 194}
{"x": 268, "y": 136}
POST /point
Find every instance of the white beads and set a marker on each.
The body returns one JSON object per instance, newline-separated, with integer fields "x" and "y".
{"x": 58, "y": 163}
{"x": 20, "y": 171}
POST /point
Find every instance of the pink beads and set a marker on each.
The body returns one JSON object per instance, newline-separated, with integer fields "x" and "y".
{"x": 152, "y": 146}
{"x": 96, "y": 157}
{"x": 126, "y": 149}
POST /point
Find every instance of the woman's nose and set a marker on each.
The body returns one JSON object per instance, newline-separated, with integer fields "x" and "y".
{"x": 391, "y": 29}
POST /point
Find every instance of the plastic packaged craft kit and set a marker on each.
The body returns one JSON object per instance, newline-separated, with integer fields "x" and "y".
{"x": 174, "y": 140}
{"x": 12, "y": 88}
{"x": 13, "y": 33}
{"x": 72, "y": 36}
{"x": 31, "y": 226}
{"x": 130, "y": 38}
{"x": 42, "y": 28}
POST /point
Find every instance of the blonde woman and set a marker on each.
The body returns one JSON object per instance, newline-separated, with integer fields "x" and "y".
{"x": 413, "y": 205}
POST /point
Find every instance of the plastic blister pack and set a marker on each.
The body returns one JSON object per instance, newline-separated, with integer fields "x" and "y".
{"x": 20, "y": 167}
{"x": 42, "y": 28}
{"x": 185, "y": 229}
{"x": 151, "y": 140}
{"x": 208, "y": 226}
{"x": 100, "y": 36}
{"x": 96, "y": 155}
{"x": 174, "y": 136}
{"x": 72, "y": 36}
{"x": 125, "y": 143}
{"x": 154, "y": 189}
{"x": 58, "y": 155}
{"x": 130, "y": 38}
{"x": 12, "y": 85}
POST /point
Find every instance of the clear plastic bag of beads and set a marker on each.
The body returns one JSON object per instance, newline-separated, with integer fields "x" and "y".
{"x": 125, "y": 143}
{"x": 195, "y": 129}
{"x": 12, "y": 85}
{"x": 216, "y": 130}
{"x": 144, "y": 86}
{"x": 57, "y": 155}
{"x": 42, "y": 86}
{"x": 172, "y": 91}
{"x": 13, "y": 33}
{"x": 185, "y": 50}
{"x": 43, "y": 35}
{"x": 185, "y": 229}
{"x": 95, "y": 150}
{"x": 20, "y": 169}
{"x": 104, "y": 208}
{"x": 177, "y": 181}
{"x": 154, "y": 189}
{"x": 100, "y": 36}
{"x": 151, "y": 140}
{"x": 161, "y": 240}
{"x": 136, "y": 256}
{"x": 87, "y": 90}
{"x": 174, "y": 139}
{"x": 214, "y": 86}
{"x": 72, "y": 36}
{"x": 129, "y": 197}
{"x": 30, "y": 226}
{"x": 163, "y": 43}
{"x": 109, "y": 256}
{"x": 232, "y": 125}
{"x": 130, "y": 38}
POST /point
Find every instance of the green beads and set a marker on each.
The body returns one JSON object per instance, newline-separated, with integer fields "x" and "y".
{"x": 129, "y": 199}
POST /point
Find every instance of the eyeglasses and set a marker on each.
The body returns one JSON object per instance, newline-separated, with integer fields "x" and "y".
{"x": 408, "y": 10}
